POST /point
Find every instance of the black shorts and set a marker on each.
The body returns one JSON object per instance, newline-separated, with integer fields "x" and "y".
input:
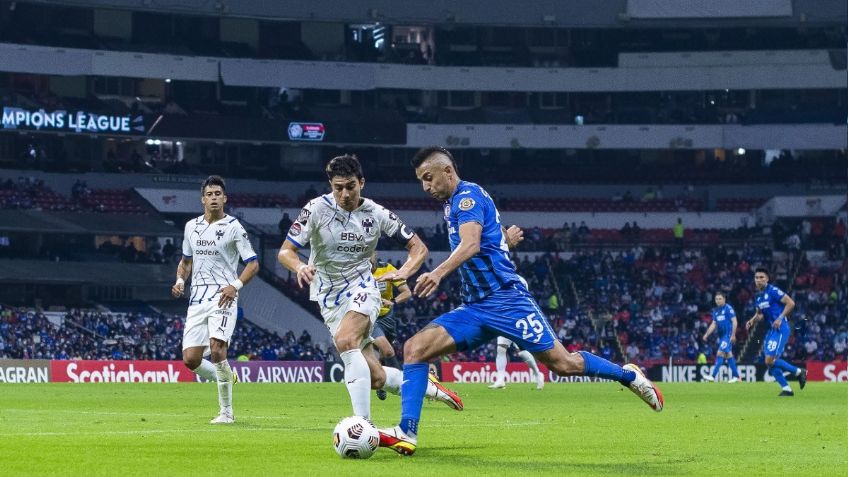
{"x": 386, "y": 325}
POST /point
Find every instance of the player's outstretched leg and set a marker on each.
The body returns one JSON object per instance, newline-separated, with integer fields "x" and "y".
{"x": 436, "y": 391}
{"x": 535, "y": 373}
{"x": 563, "y": 363}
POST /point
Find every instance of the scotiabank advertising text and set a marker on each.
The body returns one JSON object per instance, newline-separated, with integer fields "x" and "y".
{"x": 475, "y": 372}
{"x": 120, "y": 372}
{"x": 824, "y": 371}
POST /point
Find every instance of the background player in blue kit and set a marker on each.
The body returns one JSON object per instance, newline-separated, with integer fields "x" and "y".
{"x": 724, "y": 320}
{"x": 495, "y": 301}
{"x": 775, "y": 305}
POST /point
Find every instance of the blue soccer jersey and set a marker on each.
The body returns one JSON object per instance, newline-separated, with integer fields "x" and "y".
{"x": 768, "y": 302}
{"x": 723, "y": 318}
{"x": 489, "y": 270}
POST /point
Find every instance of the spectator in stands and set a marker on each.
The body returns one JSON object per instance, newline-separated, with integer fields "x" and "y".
{"x": 678, "y": 232}
{"x": 285, "y": 224}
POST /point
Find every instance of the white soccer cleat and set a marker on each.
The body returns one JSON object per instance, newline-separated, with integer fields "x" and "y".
{"x": 709, "y": 378}
{"x": 397, "y": 440}
{"x": 497, "y": 385}
{"x": 732, "y": 380}
{"x": 223, "y": 418}
{"x": 540, "y": 380}
{"x": 645, "y": 389}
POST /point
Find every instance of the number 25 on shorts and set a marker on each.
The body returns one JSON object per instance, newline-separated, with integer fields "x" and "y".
{"x": 530, "y": 326}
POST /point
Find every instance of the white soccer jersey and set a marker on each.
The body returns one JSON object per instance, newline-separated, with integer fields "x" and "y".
{"x": 215, "y": 250}
{"x": 341, "y": 244}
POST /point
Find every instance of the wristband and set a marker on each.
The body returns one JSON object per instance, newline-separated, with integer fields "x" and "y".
{"x": 237, "y": 284}
{"x": 180, "y": 281}
{"x": 394, "y": 302}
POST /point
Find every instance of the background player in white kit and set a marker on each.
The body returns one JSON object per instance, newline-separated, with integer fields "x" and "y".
{"x": 501, "y": 359}
{"x": 342, "y": 229}
{"x": 212, "y": 245}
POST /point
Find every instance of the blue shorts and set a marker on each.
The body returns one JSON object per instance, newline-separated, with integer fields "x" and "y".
{"x": 776, "y": 340}
{"x": 724, "y": 345}
{"x": 510, "y": 312}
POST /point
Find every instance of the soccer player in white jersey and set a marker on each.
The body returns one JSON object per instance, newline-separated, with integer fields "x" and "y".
{"x": 212, "y": 245}
{"x": 342, "y": 230}
{"x": 501, "y": 359}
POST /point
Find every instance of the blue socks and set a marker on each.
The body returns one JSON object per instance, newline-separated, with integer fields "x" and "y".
{"x": 785, "y": 366}
{"x": 412, "y": 396}
{"x": 597, "y": 367}
{"x": 778, "y": 376}
{"x": 719, "y": 362}
{"x": 732, "y": 363}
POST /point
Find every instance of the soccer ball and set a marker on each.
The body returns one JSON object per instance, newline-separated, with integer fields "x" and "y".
{"x": 355, "y": 438}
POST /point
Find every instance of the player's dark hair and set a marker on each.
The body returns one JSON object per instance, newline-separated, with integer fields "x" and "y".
{"x": 344, "y": 166}
{"x": 213, "y": 181}
{"x": 721, "y": 293}
{"x": 762, "y": 270}
{"x": 424, "y": 153}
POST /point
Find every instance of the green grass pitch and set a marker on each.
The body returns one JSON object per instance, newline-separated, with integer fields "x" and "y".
{"x": 285, "y": 429}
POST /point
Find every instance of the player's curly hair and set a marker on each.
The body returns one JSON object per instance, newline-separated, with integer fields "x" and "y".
{"x": 424, "y": 153}
{"x": 213, "y": 181}
{"x": 344, "y": 166}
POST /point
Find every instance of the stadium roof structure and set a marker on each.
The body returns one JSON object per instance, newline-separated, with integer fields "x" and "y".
{"x": 87, "y": 223}
{"x": 540, "y": 13}
{"x": 83, "y": 273}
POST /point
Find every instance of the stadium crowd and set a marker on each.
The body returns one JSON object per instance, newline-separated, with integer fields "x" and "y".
{"x": 92, "y": 334}
{"x": 633, "y": 303}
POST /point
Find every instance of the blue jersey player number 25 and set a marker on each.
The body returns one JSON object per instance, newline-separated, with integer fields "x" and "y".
{"x": 495, "y": 302}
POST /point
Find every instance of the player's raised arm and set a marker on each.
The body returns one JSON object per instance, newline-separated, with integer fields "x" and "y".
{"x": 469, "y": 246}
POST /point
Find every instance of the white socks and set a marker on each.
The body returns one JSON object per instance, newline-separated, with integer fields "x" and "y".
{"x": 500, "y": 365}
{"x": 528, "y": 358}
{"x": 394, "y": 380}
{"x": 206, "y": 370}
{"x": 358, "y": 381}
{"x": 225, "y": 386}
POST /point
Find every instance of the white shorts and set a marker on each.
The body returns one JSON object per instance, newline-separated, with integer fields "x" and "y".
{"x": 206, "y": 320}
{"x": 365, "y": 301}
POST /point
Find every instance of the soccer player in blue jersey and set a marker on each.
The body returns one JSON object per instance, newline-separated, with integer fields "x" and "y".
{"x": 775, "y": 305}
{"x": 495, "y": 301}
{"x": 724, "y": 319}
